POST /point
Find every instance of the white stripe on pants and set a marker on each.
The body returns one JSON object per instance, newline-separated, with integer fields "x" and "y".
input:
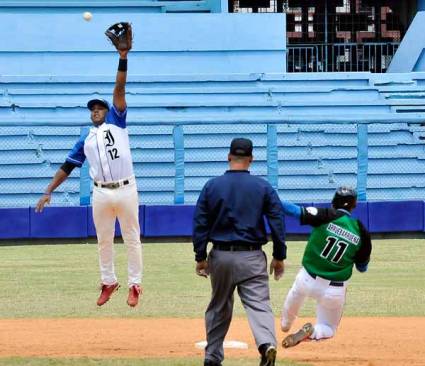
{"x": 108, "y": 205}
{"x": 329, "y": 308}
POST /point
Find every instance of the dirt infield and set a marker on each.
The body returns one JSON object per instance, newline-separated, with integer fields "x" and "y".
{"x": 359, "y": 342}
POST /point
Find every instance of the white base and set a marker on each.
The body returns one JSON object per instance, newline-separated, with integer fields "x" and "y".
{"x": 226, "y": 344}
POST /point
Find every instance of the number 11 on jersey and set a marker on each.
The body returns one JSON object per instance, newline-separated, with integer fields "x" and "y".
{"x": 331, "y": 242}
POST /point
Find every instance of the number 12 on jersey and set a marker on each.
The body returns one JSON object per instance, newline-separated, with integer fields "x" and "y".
{"x": 332, "y": 242}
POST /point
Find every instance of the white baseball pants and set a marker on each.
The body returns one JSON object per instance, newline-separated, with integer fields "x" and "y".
{"x": 329, "y": 308}
{"x": 108, "y": 205}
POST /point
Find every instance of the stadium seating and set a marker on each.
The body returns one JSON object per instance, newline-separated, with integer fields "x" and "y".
{"x": 199, "y": 95}
{"x": 311, "y": 158}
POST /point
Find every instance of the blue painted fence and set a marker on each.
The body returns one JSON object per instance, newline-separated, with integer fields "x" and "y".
{"x": 176, "y": 221}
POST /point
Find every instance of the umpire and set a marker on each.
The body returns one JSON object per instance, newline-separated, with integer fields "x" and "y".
{"x": 230, "y": 213}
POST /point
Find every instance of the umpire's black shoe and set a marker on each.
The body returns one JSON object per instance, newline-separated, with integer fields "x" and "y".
{"x": 268, "y": 354}
{"x": 211, "y": 363}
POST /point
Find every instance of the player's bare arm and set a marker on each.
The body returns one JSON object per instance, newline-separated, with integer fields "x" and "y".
{"x": 57, "y": 180}
{"x": 121, "y": 36}
{"x": 119, "y": 90}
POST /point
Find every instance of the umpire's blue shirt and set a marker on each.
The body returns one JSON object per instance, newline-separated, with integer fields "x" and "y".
{"x": 231, "y": 208}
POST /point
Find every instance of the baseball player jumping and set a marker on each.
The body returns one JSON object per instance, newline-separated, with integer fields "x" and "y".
{"x": 106, "y": 147}
{"x": 336, "y": 243}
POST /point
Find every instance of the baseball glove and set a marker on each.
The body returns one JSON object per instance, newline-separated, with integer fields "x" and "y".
{"x": 121, "y": 35}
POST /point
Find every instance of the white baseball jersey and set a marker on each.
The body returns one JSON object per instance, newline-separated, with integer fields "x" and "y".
{"x": 106, "y": 148}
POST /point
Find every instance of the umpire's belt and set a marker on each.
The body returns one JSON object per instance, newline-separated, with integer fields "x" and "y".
{"x": 236, "y": 246}
{"x": 112, "y": 185}
{"x": 332, "y": 283}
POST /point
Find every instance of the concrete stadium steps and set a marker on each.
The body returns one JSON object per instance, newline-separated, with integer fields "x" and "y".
{"x": 29, "y": 199}
{"x": 224, "y": 99}
{"x": 40, "y": 170}
{"x": 308, "y": 159}
{"x": 68, "y": 198}
{"x": 217, "y": 99}
{"x": 11, "y": 157}
{"x": 42, "y": 117}
{"x": 404, "y": 96}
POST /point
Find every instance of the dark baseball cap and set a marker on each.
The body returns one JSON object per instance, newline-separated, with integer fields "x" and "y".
{"x": 102, "y": 102}
{"x": 241, "y": 147}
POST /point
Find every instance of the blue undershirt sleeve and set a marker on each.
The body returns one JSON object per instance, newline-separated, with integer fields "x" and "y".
{"x": 76, "y": 156}
{"x": 291, "y": 209}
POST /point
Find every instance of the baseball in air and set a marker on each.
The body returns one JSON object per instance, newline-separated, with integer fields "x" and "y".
{"x": 87, "y": 16}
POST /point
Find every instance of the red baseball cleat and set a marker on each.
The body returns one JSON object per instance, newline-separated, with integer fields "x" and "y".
{"x": 133, "y": 295}
{"x": 106, "y": 293}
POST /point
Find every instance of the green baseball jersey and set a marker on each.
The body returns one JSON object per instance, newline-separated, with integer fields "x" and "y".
{"x": 335, "y": 244}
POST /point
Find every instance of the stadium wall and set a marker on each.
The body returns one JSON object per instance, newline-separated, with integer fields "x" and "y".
{"x": 58, "y": 41}
{"x": 410, "y": 56}
{"x": 176, "y": 220}
{"x": 196, "y": 81}
{"x": 310, "y": 132}
{"x": 116, "y": 7}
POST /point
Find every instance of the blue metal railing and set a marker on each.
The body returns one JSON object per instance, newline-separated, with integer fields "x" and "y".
{"x": 341, "y": 57}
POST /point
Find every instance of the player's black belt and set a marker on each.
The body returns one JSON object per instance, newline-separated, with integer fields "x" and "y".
{"x": 236, "y": 247}
{"x": 332, "y": 283}
{"x": 112, "y": 185}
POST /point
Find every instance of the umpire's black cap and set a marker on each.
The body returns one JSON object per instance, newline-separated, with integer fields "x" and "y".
{"x": 102, "y": 102}
{"x": 345, "y": 197}
{"x": 241, "y": 147}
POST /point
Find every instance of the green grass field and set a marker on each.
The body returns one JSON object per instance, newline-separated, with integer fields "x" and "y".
{"x": 61, "y": 281}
